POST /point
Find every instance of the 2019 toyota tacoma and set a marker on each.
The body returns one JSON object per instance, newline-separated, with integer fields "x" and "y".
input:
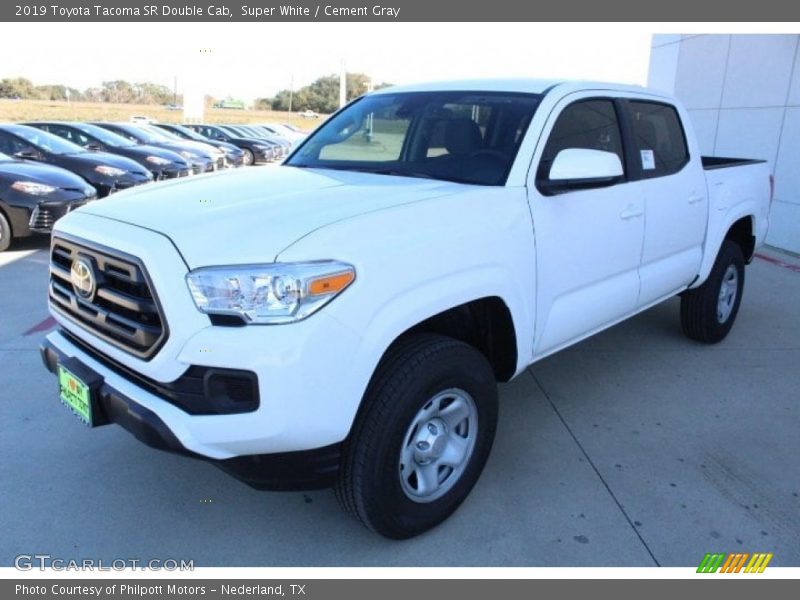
{"x": 343, "y": 319}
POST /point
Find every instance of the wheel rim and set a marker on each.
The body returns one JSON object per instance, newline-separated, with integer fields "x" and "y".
{"x": 438, "y": 445}
{"x": 727, "y": 293}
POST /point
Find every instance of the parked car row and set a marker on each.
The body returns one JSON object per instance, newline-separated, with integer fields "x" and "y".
{"x": 47, "y": 168}
{"x": 260, "y": 143}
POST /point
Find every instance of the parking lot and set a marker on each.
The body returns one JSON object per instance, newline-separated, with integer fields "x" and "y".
{"x": 634, "y": 448}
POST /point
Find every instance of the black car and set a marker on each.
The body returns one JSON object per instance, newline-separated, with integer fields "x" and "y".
{"x": 33, "y": 196}
{"x": 163, "y": 164}
{"x": 279, "y": 144}
{"x": 262, "y": 133}
{"x": 106, "y": 172}
{"x": 202, "y": 159}
{"x": 255, "y": 151}
{"x": 234, "y": 156}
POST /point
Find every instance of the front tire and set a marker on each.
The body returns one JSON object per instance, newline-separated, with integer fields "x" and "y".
{"x": 249, "y": 158}
{"x": 422, "y": 440}
{"x": 5, "y": 233}
{"x": 708, "y": 311}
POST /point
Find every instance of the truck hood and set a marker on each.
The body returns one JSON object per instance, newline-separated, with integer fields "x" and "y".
{"x": 251, "y": 215}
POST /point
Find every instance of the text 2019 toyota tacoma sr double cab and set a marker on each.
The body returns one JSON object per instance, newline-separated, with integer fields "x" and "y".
{"x": 343, "y": 319}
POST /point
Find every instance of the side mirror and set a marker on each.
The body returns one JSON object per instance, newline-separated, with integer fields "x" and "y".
{"x": 94, "y": 146}
{"x": 576, "y": 168}
{"x": 27, "y": 154}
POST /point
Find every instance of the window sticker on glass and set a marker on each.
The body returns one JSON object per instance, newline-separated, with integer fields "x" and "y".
{"x": 648, "y": 160}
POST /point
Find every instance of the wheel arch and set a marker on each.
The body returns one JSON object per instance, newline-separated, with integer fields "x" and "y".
{"x": 741, "y": 231}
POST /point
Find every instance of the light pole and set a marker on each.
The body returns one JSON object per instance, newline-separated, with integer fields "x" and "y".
{"x": 342, "y": 86}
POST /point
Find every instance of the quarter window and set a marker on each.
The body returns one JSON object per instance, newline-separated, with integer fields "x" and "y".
{"x": 659, "y": 139}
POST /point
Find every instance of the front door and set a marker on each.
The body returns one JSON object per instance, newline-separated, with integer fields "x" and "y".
{"x": 588, "y": 238}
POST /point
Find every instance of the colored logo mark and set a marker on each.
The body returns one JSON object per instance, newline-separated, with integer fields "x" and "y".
{"x": 735, "y": 562}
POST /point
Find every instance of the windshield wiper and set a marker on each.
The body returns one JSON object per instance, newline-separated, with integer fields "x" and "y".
{"x": 425, "y": 175}
{"x": 386, "y": 171}
{"x": 403, "y": 173}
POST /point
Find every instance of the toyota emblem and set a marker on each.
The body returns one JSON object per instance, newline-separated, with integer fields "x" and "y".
{"x": 81, "y": 274}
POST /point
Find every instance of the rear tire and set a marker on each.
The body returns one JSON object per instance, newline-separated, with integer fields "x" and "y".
{"x": 708, "y": 311}
{"x": 5, "y": 233}
{"x": 423, "y": 437}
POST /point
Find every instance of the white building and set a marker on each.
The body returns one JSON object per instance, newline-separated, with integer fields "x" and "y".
{"x": 743, "y": 95}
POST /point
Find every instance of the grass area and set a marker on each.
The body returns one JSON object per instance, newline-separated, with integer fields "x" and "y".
{"x": 32, "y": 110}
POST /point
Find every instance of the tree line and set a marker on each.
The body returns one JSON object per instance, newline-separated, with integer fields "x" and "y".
{"x": 321, "y": 96}
{"x": 117, "y": 91}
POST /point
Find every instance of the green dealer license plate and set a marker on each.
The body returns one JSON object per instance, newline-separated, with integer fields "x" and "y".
{"x": 75, "y": 394}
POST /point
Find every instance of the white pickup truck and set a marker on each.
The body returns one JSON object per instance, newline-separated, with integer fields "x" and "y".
{"x": 342, "y": 320}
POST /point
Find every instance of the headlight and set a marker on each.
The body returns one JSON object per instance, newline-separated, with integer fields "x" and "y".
{"x": 157, "y": 160}
{"x": 35, "y": 189}
{"x": 110, "y": 171}
{"x": 188, "y": 155}
{"x": 269, "y": 294}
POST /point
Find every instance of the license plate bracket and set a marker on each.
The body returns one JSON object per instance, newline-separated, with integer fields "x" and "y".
{"x": 79, "y": 390}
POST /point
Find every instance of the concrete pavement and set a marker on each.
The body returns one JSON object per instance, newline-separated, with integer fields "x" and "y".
{"x": 637, "y": 447}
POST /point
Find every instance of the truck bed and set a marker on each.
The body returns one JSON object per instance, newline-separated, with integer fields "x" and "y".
{"x": 721, "y": 162}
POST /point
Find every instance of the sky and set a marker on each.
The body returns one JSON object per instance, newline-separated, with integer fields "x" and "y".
{"x": 249, "y": 60}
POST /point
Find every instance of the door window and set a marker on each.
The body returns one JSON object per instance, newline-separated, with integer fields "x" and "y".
{"x": 586, "y": 124}
{"x": 659, "y": 138}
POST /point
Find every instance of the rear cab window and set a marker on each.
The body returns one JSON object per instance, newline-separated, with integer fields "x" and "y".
{"x": 659, "y": 139}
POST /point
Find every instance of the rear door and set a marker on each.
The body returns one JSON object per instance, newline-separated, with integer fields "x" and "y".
{"x": 675, "y": 196}
{"x": 588, "y": 238}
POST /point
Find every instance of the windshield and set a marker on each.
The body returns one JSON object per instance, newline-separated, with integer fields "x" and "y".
{"x": 235, "y": 131}
{"x": 187, "y": 133}
{"x": 468, "y": 137}
{"x": 45, "y": 141}
{"x": 140, "y": 135}
{"x": 104, "y": 135}
{"x": 261, "y": 132}
{"x": 164, "y": 134}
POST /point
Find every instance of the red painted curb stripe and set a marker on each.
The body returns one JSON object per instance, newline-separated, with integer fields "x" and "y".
{"x": 780, "y": 263}
{"x": 48, "y": 323}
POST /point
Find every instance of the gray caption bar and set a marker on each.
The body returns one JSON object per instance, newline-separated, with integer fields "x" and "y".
{"x": 342, "y": 589}
{"x": 398, "y": 10}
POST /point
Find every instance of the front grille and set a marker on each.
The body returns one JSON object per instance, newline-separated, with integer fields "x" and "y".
{"x": 123, "y": 310}
{"x": 44, "y": 215}
{"x": 42, "y": 219}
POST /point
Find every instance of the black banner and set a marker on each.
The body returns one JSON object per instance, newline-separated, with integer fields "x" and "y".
{"x": 396, "y": 589}
{"x": 398, "y": 10}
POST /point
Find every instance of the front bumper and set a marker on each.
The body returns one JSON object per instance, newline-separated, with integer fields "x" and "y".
{"x": 310, "y": 469}
{"x": 234, "y": 161}
{"x": 265, "y": 156}
{"x": 309, "y": 387}
{"x": 171, "y": 172}
{"x": 109, "y": 185}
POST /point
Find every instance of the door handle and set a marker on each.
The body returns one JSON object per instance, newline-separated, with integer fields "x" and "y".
{"x": 631, "y": 212}
{"x": 694, "y": 199}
